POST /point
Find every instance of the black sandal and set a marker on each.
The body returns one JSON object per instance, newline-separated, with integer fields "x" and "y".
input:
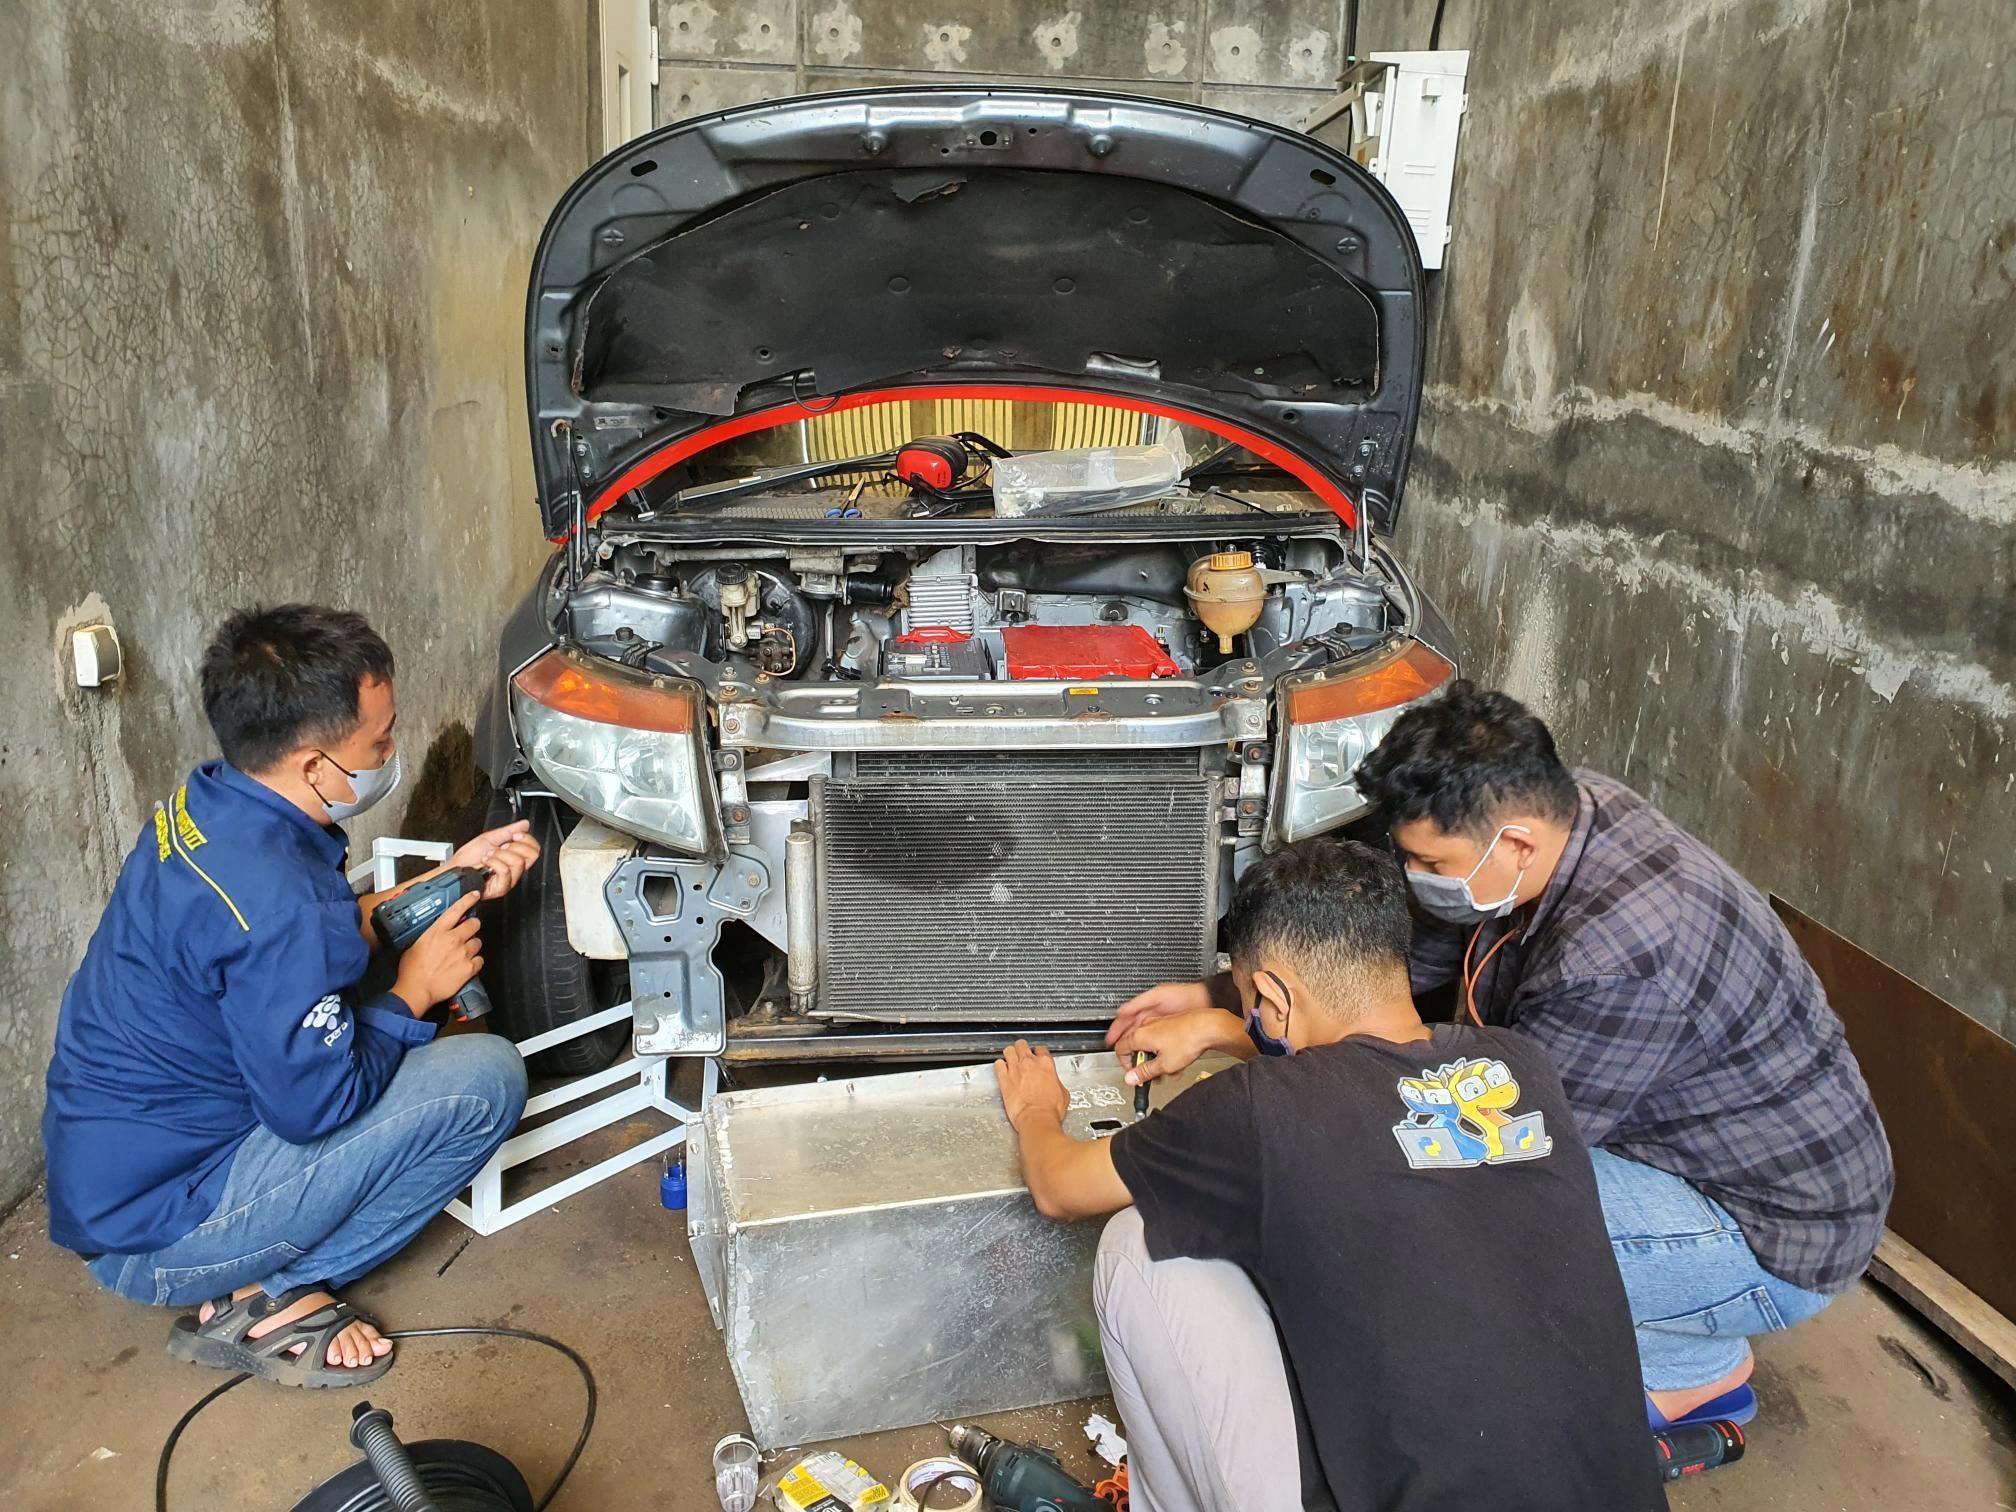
{"x": 221, "y": 1340}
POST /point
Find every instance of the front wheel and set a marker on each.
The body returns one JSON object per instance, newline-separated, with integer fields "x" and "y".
{"x": 537, "y": 980}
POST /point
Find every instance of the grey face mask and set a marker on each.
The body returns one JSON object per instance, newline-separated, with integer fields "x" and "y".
{"x": 369, "y": 787}
{"x": 1450, "y": 898}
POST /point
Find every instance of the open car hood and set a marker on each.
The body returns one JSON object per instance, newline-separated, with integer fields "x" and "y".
{"x": 765, "y": 263}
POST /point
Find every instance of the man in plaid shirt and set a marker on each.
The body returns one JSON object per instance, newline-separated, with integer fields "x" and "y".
{"x": 1743, "y": 1170}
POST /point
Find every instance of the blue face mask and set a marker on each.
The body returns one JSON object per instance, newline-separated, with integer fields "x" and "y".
{"x": 1265, "y": 1043}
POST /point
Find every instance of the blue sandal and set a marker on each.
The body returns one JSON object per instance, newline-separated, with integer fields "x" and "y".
{"x": 1738, "y": 1406}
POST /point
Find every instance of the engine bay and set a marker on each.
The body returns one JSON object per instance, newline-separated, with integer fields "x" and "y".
{"x": 1009, "y": 611}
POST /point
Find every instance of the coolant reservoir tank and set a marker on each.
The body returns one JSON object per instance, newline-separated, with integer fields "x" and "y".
{"x": 1226, "y": 592}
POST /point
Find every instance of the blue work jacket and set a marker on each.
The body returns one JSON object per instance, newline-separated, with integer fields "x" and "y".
{"x": 217, "y": 994}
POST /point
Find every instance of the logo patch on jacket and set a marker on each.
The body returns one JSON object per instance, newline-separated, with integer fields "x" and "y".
{"x": 326, "y": 1014}
{"x": 1460, "y": 1115}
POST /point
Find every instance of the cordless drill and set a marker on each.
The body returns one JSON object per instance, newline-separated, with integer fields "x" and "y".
{"x": 404, "y": 917}
{"x": 1021, "y": 1478}
{"x": 1695, "y": 1448}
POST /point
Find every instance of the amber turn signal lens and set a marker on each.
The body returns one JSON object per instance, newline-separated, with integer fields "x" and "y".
{"x": 615, "y": 696}
{"x": 1394, "y": 677}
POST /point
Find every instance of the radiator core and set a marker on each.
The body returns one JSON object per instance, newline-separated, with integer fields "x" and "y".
{"x": 981, "y": 887}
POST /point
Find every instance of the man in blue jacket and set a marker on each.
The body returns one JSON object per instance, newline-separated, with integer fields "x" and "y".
{"x": 228, "y": 1121}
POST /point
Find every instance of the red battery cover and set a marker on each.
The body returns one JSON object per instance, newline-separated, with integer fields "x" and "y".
{"x": 1082, "y": 653}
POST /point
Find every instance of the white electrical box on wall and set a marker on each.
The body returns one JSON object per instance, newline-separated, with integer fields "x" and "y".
{"x": 1397, "y": 116}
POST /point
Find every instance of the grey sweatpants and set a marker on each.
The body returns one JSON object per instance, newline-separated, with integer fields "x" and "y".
{"x": 1196, "y": 1370}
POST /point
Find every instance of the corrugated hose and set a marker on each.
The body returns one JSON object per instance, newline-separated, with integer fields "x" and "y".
{"x": 435, "y": 1484}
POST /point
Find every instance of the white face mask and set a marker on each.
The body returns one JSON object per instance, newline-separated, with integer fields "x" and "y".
{"x": 367, "y": 786}
{"x": 1450, "y": 898}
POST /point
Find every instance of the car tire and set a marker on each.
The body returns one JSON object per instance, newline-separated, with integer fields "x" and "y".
{"x": 536, "y": 979}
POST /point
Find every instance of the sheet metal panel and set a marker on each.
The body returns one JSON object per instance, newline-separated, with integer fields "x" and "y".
{"x": 874, "y": 1260}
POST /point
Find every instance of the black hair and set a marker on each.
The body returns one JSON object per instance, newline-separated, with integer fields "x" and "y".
{"x": 1335, "y": 909}
{"x": 274, "y": 679}
{"x": 1465, "y": 758}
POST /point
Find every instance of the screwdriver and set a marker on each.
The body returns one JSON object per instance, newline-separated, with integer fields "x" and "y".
{"x": 1140, "y": 1091}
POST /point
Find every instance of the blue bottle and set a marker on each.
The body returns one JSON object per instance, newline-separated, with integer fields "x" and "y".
{"x": 672, "y": 1186}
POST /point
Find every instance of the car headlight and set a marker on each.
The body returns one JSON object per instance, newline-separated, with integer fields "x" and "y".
{"x": 1333, "y": 718}
{"x": 621, "y": 745}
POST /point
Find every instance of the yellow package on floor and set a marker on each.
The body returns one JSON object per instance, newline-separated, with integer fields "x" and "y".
{"x": 829, "y": 1482}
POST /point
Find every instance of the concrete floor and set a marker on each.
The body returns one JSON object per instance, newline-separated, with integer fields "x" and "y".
{"x": 1863, "y": 1409}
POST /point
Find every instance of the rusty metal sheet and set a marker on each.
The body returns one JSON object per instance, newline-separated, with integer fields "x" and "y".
{"x": 1942, "y": 1084}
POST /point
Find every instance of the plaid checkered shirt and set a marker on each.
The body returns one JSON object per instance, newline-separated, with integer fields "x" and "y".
{"x": 1689, "y": 1032}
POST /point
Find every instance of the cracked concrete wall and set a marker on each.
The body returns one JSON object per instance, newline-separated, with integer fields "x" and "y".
{"x": 262, "y": 275}
{"x": 1718, "y": 463}
{"x": 1273, "y": 59}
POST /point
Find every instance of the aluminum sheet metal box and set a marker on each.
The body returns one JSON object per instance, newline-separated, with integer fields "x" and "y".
{"x": 873, "y": 1259}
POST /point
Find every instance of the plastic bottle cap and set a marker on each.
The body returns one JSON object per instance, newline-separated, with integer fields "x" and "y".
{"x": 1230, "y": 561}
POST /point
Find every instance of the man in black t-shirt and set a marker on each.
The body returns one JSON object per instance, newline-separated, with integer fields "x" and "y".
{"x": 1418, "y": 1220}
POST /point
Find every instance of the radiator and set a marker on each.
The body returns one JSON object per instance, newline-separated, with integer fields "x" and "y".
{"x": 1012, "y": 887}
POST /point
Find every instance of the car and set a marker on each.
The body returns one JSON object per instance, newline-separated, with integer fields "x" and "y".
{"x": 971, "y": 516}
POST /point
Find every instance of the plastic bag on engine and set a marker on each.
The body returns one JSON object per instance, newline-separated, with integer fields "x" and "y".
{"x": 1095, "y": 477}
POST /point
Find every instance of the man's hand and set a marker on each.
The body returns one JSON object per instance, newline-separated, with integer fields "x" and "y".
{"x": 438, "y": 964}
{"x": 1173, "y": 1043}
{"x": 1068, "y": 1178}
{"x": 1030, "y": 1087}
{"x": 1166, "y": 1001}
{"x": 506, "y": 853}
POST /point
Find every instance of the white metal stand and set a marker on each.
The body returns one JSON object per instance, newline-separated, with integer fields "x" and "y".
{"x": 485, "y": 1211}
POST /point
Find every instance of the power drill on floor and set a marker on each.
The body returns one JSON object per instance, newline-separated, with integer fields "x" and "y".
{"x": 1020, "y": 1478}
{"x": 403, "y": 918}
{"x": 1696, "y": 1448}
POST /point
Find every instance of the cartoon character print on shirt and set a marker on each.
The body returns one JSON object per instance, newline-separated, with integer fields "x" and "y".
{"x": 1458, "y": 1116}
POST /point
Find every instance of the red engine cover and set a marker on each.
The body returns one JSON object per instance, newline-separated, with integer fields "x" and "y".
{"x": 1082, "y": 653}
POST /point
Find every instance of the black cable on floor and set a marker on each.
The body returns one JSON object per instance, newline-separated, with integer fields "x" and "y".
{"x": 465, "y": 1330}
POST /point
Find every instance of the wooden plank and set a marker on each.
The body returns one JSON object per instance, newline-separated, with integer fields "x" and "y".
{"x": 1942, "y": 1084}
{"x": 1946, "y": 1305}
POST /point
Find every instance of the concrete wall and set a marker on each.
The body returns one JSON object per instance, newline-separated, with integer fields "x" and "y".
{"x": 1272, "y": 59}
{"x": 1719, "y": 465}
{"x": 262, "y": 274}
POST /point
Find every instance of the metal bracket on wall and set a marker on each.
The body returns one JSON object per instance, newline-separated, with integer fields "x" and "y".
{"x": 678, "y": 1004}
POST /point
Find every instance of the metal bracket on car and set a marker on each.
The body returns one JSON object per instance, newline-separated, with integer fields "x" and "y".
{"x": 677, "y": 1003}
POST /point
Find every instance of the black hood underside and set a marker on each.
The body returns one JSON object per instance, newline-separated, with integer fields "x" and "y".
{"x": 1051, "y": 271}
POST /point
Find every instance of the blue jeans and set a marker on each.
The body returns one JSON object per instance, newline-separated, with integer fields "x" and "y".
{"x": 329, "y": 1211}
{"x": 1696, "y": 1290}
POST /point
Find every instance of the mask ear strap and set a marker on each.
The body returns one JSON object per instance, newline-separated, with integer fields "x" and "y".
{"x": 348, "y": 776}
{"x": 1287, "y": 1002}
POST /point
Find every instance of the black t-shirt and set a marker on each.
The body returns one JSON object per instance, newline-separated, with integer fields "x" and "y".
{"x": 1423, "y": 1222}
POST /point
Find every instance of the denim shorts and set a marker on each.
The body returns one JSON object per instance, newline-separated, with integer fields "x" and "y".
{"x": 1697, "y": 1292}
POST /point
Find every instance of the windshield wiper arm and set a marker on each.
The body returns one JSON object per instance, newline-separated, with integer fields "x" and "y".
{"x": 757, "y": 482}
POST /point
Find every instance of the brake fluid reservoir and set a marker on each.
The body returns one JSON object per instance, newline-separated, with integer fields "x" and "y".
{"x": 1226, "y": 592}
